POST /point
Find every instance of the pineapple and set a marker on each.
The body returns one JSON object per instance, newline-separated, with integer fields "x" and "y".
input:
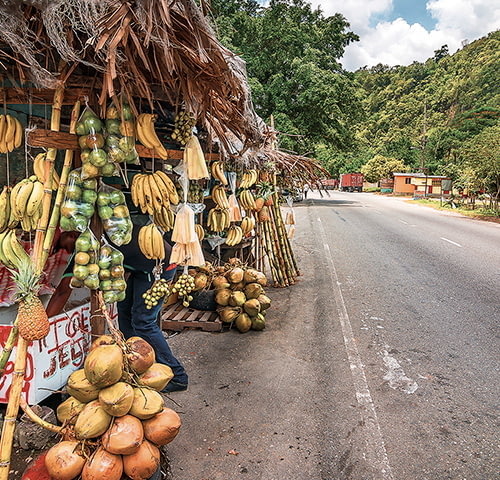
{"x": 32, "y": 320}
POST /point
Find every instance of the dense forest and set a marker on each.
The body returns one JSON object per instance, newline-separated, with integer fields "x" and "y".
{"x": 441, "y": 115}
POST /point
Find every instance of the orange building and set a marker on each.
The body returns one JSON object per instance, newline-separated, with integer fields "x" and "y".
{"x": 421, "y": 184}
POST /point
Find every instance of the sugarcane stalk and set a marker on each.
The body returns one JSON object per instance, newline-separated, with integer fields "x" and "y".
{"x": 55, "y": 123}
{"x": 282, "y": 237}
{"x": 286, "y": 241}
{"x": 277, "y": 252}
{"x": 7, "y": 350}
{"x": 288, "y": 270}
{"x": 9, "y": 422}
{"x": 54, "y": 218}
{"x": 274, "y": 258}
{"x": 36, "y": 419}
{"x": 22, "y": 345}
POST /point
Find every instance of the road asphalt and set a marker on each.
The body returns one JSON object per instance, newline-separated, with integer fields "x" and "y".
{"x": 380, "y": 363}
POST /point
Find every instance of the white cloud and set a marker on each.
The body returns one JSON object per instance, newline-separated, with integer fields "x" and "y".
{"x": 400, "y": 43}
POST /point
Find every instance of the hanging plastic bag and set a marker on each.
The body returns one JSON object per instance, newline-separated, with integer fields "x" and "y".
{"x": 113, "y": 211}
{"x": 120, "y": 134}
{"x": 90, "y": 131}
{"x": 184, "y": 229}
{"x": 79, "y": 202}
{"x": 111, "y": 274}
{"x": 196, "y": 166}
{"x": 234, "y": 207}
{"x": 290, "y": 214}
{"x": 86, "y": 267}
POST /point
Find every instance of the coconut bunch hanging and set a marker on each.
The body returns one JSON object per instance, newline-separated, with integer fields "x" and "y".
{"x": 114, "y": 419}
{"x": 187, "y": 249}
{"x": 240, "y": 294}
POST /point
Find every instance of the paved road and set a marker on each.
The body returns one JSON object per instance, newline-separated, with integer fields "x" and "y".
{"x": 381, "y": 363}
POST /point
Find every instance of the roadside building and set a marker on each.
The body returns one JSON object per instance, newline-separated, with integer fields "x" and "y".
{"x": 421, "y": 184}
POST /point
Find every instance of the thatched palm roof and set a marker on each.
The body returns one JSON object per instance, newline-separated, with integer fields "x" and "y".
{"x": 144, "y": 48}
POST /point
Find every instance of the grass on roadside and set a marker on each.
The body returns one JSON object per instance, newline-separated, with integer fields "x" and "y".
{"x": 479, "y": 212}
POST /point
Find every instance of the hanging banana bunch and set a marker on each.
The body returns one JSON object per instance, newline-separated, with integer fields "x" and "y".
{"x": 151, "y": 242}
{"x": 153, "y": 191}
{"x": 249, "y": 178}
{"x": 247, "y": 200}
{"x": 146, "y": 134}
{"x": 26, "y": 202}
{"x": 183, "y": 127}
{"x": 164, "y": 218}
{"x": 218, "y": 172}
{"x": 219, "y": 197}
{"x": 218, "y": 219}
{"x": 234, "y": 235}
{"x": 11, "y": 133}
{"x": 39, "y": 171}
{"x": 12, "y": 254}
{"x": 247, "y": 225}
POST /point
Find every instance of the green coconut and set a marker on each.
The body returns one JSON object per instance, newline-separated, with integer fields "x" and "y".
{"x": 92, "y": 421}
{"x": 104, "y": 365}
{"x": 147, "y": 403}
{"x": 117, "y": 399}
{"x": 252, "y": 307}
{"x": 258, "y": 322}
{"x": 79, "y": 387}
{"x": 228, "y": 314}
{"x": 68, "y": 410}
{"x": 222, "y": 296}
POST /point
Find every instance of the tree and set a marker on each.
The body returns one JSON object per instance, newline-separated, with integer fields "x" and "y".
{"x": 380, "y": 167}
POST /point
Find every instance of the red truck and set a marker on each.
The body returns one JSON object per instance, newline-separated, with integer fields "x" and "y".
{"x": 351, "y": 182}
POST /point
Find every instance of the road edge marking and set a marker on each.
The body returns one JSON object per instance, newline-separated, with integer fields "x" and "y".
{"x": 376, "y": 452}
{"x": 451, "y": 241}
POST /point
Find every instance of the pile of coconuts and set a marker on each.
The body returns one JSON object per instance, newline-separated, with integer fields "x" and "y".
{"x": 115, "y": 419}
{"x": 239, "y": 294}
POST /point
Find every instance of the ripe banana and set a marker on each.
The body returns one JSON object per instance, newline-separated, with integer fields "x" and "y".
{"x": 247, "y": 225}
{"x": 200, "y": 232}
{"x": 4, "y": 208}
{"x": 11, "y": 133}
{"x": 219, "y": 197}
{"x": 151, "y": 242}
{"x": 234, "y": 235}
{"x": 249, "y": 178}
{"x": 3, "y": 256}
{"x": 147, "y": 135}
{"x": 247, "y": 200}
{"x": 218, "y": 172}
{"x": 39, "y": 171}
{"x": 20, "y": 196}
{"x": 164, "y": 218}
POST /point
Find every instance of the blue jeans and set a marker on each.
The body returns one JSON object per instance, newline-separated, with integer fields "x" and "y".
{"x": 136, "y": 320}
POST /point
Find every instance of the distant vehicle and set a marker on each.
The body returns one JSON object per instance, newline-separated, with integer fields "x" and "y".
{"x": 330, "y": 183}
{"x": 351, "y": 182}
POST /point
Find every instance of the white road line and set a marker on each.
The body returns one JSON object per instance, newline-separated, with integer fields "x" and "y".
{"x": 402, "y": 221}
{"x": 450, "y": 241}
{"x": 376, "y": 453}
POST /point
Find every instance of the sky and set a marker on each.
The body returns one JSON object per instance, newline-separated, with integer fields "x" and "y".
{"x": 399, "y": 32}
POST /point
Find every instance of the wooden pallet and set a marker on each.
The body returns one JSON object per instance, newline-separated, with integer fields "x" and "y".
{"x": 177, "y": 317}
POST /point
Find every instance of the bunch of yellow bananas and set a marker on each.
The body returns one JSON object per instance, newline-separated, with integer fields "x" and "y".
{"x": 151, "y": 242}
{"x": 11, "y": 133}
{"x": 218, "y": 172}
{"x": 218, "y": 219}
{"x": 26, "y": 199}
{"x": 146, "y": 134}
{"x": 164, "y": 218}
{"x": 152, "y": 191}
{"x": 247, "y": 225}
{"x": 12, "y": 254}
{"x": 39, "y": 171}
{"x": 200, "y": 232}
{"x": 234, "y": 235}
{"x": 219, "y": 197}
{"x": 248, "y": 179}
{"x": 247, "y": 200}
{"x": 7, "y": 219}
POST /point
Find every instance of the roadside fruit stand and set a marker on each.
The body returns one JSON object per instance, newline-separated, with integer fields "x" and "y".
{"x": 130, "y": 108}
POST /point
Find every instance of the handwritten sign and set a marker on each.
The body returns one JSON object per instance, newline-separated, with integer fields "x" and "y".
{"x": 51, "y": 360}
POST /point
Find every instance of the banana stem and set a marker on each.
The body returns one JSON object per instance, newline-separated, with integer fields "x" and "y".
{"x": 7, "y": 350}
{"x": 41, "y": 230}
{"x": 54, "y": 218}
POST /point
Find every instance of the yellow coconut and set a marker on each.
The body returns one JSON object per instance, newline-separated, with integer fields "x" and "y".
{"x": 251, "y": 275}
{"x": 219, "y": 282}
{"x": 252, "y": 307}
{"x": 258, "y": 322}
{"x": 222, "y": 296}
{"x": 68, "y": 410}
{"x": 104, "y": 365}
{"x": 157, "y": 376}
{"x": 235, "y": 275}
{"x": 92, "y": 421}
{"x": 253, "y": 290}
{"x": 265, "y": 301}
{"x": 243, "y": 323}
{"x": 79, "y": 387}
{"x": 124, "y": 436}
{"x": 228, "y": 314}
{"x": 237, "y": 299}
{"x": 147, "y": 403}
{"x": 117, "y": 399}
